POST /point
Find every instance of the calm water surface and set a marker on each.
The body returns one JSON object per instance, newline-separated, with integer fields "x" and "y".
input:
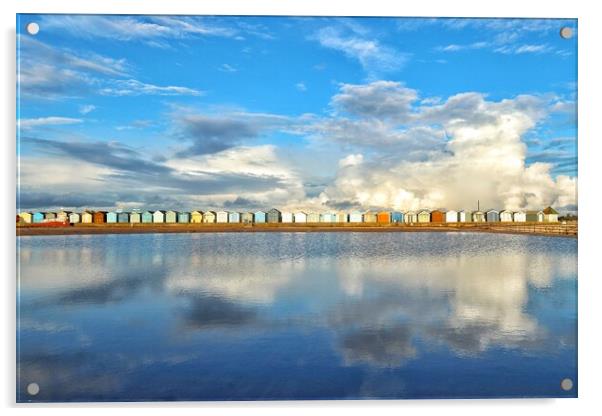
{"x": 296, "y": 316}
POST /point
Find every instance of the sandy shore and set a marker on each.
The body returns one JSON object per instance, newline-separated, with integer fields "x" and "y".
{"x": 561, "y": 230}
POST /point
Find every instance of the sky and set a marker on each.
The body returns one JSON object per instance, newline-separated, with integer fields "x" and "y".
{"x": 313, "y": 113}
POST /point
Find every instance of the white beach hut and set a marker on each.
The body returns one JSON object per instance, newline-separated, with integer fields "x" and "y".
{"x": 159, "y": 216}
{"x": 287, "y": 217}
{"x": 355, "y": 216}
{"x": 221, "y": 216}
{"x": 451, "y": 216}
{"x": 520, "y": 216}
{"x": 505, "y": 216}
{"x": 462, "y": 217}
{"x": 74, "y": 218}
{"x": 300, "y": 217}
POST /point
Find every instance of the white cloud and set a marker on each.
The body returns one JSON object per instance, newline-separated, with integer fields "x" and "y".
{"x": 481, "y": 156}
{"x": 301, "y": 86}
{"x": 131, "y": 28}
{"x": 87, "y": 108}
{"x": 227, "y": 68}
{"x": 29, "y": 123}
{"x": 369, "y": 52}
{"x": 135, "y": 87}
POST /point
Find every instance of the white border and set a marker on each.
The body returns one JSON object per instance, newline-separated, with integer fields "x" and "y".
{"x": 590, "y": 70}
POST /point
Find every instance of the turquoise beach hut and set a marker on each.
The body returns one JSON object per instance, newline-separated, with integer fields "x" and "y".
{"x": 260, "y": 217}
{"x": 111, "y": 217}
{"x": 183, "y": 217}
{"x": 147, "y": 217}
{"x": 38, "y": 217}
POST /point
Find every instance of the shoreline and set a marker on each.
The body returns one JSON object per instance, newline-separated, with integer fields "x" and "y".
{"x": 540, "y": 229}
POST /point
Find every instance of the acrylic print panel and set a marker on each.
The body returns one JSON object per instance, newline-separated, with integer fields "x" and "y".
{"x": 270, "y": 208}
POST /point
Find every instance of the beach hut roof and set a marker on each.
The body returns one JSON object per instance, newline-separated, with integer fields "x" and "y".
{"x": 550, "y": 210}
{"x": 493, "y": 210}
{"x": 274, "y": 210}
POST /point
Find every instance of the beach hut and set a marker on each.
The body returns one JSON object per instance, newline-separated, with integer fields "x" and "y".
{"x": 300, "y": 217}
{"x": 451, "y": 216}
{"x": 37, "y": 217}
{"x": 100, "y": 217}
{"x": 370, "y": 216}
{"x": 111, "y": 217}
{"x": 397, "y": 217}
{"x": 74, "y": 218}
{"x": 550, "y": 215}
{"x": 313, "y": 217}
{"x": 505, "y": 216}
{"x": 247, "y": 218}
{"x": 147, "y": 217}
{"x": 437, "y": 216}
{"x": 540, "y": 216}
{"x": 221, "y": 217}
{"x": 492, "y": 216}
{"x": 424, "y": 216}
{"x": 183, "y": 217}
{"x": 87, "y": 217}
{"x": 26, "y": 217}
{"x": 531, "y": 216}
{"x": 123, "y": 217}
{"x": 49, "y": 216}
{"x": 159, "y": 216}
{"x": 356, "y": 216}
{"x": 478, "y": 216}
{"x": 328, "y": 217}
{"x": 383, "y": 217}
{"x": 135, "y": 217}
{"x": 287, "y": 217}
{"x": 63, "y": 215}
{"x": 410, "y": 217}
{"x": 464, "y": 216}
{"x": 209, "y": 217}
{"x": 342, "y": 217}
{"x": 520, "y": 216}
{"x": 196, "y": 217}
{"x": 234, "y": 217}
{"x": 274, "y": 216}
{"x": 171, "y": 217}
{"x": 260, "y": 217}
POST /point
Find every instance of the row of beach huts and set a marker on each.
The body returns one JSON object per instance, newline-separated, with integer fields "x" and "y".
{"x": 548, "y": 214}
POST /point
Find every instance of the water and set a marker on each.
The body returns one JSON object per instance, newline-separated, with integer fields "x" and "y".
{"x": 296, "y": 316}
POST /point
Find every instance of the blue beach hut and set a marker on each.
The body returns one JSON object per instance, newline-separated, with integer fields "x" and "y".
{"x": 38, "y": 217}
{"x": 111, "y": 217}
{"x": 492, "y": 216}
{"x": 183, "y": 217}
{"x": 397, "y": 217}
{"x": 234, "y": 217}
{"x": 123, "y": 217}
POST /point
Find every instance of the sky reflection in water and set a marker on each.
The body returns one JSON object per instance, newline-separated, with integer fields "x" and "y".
{"x": 296, "y": 316}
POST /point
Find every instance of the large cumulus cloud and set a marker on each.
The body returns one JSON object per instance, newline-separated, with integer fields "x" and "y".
{"x": 475, "y": 151}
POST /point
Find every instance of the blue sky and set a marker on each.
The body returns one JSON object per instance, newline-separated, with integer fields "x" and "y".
{"x": 314, "y": 113}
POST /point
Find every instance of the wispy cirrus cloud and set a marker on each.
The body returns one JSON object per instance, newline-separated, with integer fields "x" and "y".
{"x": 29, "y": 123}
{"x": 357, "y": 44}
{"x": 504, "y": 36}
{"x": 154, "y": 31}
{"x": 48, "y": 72}
{"x": 131, "y": 87}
